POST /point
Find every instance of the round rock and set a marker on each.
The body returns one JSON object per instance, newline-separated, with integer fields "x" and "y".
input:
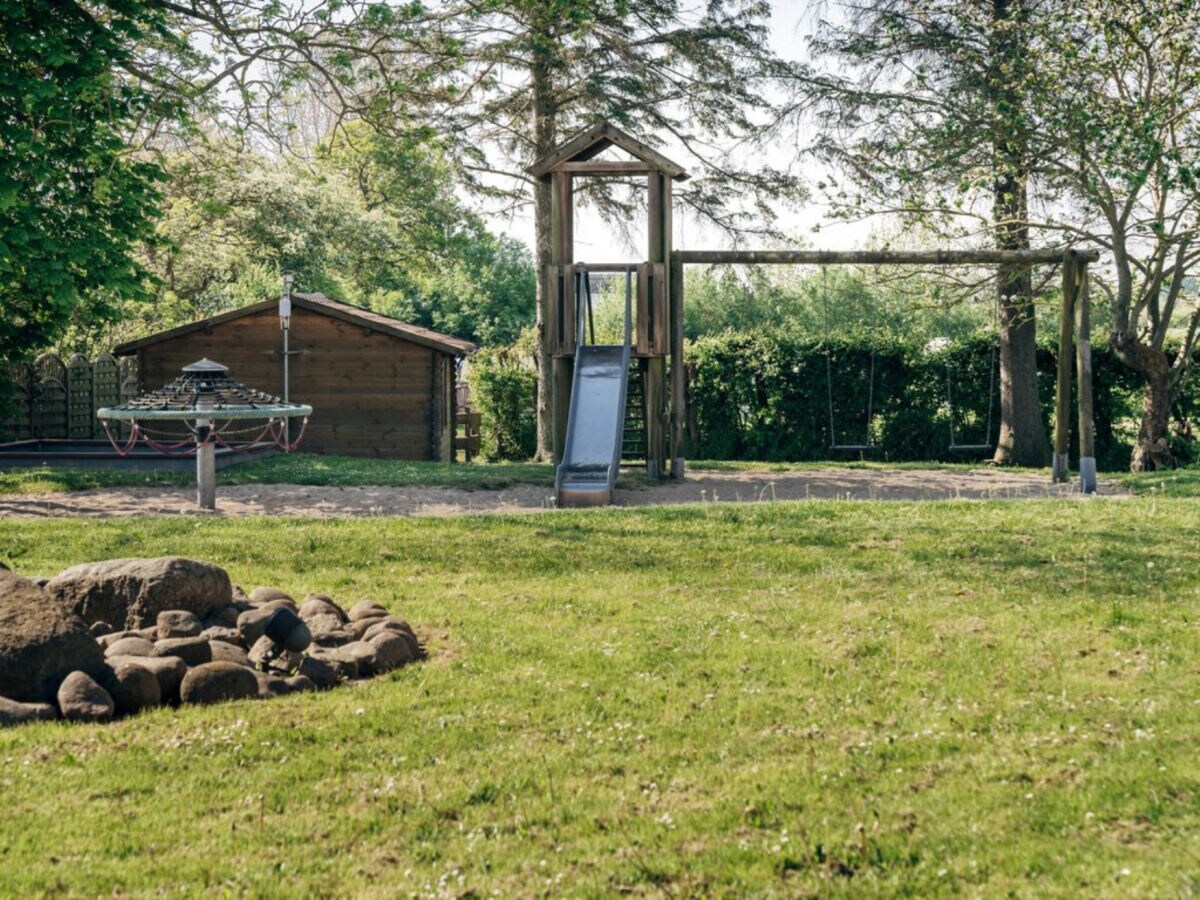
{"x": 13, "y": 712}
{"x": 318, "y": 604}
{"x": 81, "y": 699}
{"x": 130, "y": 646}
{"x": 169, "y": 670}
{"x": 221, "y": 634}
{"x": 271, "y": 685}
{"x": 178, "y": 623}
{"x": 359, "y": 628}
{"x": 132, "y": 686}
{"x": 252, "y": 624}
{"x": 195, "y": 651}
{"x": 298, "y": 683}
{"x": 391, "y": 651}
{"x": 225, "y": 617}
{"x": 366, "y": 609}
{"x": 322, "y": 675}
{"x": 216, "y": 682}
{"x": 261, "y": 595}
{"x": 226, "y": 652}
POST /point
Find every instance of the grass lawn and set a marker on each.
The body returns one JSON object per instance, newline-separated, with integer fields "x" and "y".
{"x": 921, "y": 699}
{"x": 306, "y": 468}
{"x": 293, "y": 468}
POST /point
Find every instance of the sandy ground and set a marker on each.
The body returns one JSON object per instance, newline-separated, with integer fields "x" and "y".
{"x": 699, "y": 487}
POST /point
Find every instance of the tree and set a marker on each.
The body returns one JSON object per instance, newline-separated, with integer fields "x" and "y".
{"x": 373, "y": 221}
{"x": 930, "y": 121}
{"x": 74, "y": 201}
{"x": 1121, "y": 96}
{"x": 533, "y": 73}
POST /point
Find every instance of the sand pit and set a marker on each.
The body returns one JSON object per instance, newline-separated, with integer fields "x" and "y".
{"x": 699, "y": 487}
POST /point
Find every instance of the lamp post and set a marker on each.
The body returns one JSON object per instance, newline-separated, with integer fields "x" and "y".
{"x": 285, "y": 322}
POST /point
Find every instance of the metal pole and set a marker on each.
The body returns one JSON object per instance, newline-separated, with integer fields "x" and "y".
{"x": 1083, "y": 359}
{"x": 285, "y": 318}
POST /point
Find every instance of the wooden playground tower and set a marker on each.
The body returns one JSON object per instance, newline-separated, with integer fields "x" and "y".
{"x": 658, "y": 310}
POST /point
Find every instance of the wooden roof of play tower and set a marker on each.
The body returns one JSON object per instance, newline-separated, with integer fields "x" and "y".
{"x": 578, "y": 156}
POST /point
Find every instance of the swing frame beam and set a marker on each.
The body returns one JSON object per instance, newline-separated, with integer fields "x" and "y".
{"x": 1074, "y": 326}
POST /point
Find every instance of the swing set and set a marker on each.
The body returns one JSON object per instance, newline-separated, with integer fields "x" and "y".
{"x": 658, "y": 302}
{"x": 867, "y": 444}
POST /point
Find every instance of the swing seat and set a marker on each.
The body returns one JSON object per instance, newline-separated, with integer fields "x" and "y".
{"x": 972, "y": 447}
{"x": 857, "y": 447}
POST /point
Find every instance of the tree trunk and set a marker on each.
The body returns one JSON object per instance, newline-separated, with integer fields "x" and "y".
{"x": 1151, "y": 450}
{"x": 1022, "y": 440}
{"x": 545, "y": 130}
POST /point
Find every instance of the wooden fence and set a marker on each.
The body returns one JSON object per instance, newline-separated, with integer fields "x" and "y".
{"x": 50, "y": 399}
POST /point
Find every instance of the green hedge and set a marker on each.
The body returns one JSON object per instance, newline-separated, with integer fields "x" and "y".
{"x": 757, "y": 396}
{"x": 764, "y": 397}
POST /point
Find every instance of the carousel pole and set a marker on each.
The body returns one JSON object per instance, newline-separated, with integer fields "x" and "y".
{"x": 206, "y": 458}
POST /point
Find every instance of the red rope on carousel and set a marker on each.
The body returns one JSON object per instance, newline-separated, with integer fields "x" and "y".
{"x": 127, "y": 448}
{"x": 245, "y": 446}
{"x": 279, "y": 430}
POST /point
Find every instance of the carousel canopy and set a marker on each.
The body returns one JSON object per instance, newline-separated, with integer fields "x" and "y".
{"x": 204, "y": 391}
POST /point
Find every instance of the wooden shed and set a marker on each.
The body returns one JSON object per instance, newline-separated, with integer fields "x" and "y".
{"x": 378, "y": 386}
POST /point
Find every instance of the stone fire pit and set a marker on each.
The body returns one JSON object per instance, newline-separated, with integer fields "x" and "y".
{"x": 109, "y": 639}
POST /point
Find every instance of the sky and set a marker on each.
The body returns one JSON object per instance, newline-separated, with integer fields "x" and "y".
{"x": 791, "y": 23}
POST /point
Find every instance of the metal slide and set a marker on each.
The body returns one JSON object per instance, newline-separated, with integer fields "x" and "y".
{"x": 596, "y": 419}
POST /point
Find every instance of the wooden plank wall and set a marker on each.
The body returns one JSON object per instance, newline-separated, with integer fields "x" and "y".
{"x": 372, "y": 394}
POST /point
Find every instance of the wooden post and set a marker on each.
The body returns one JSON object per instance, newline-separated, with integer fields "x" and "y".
{"x": 206, "y": 467}
{"x": 1087, "y": 429}
{"x": 1062, "y": 400}
{"x": 678, "y": 393}
{"x": 562, "y": 250}
{"x": 655, "y": 370}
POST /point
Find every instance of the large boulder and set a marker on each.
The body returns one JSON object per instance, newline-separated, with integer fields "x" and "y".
{"x": 81, "y": 699}
{"x": 215, "y": 682}
{"x": 40, "y": 642}
{"x": 130, "y": 593}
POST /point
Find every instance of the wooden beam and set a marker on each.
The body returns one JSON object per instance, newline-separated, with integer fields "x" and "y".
{"x": 562, "y": 250}
{"x": 678, "y": 394}
{"x": 605, "y": 167}
{"x": 609, "y": 267}
{"x": 876, "y": 257}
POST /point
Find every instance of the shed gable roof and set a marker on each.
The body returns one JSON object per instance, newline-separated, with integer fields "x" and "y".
{"x": 323, "y": 305}
{"x": 595, "y": 141}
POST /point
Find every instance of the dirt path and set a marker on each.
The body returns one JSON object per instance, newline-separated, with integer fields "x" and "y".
{"x": 700, "y": 487}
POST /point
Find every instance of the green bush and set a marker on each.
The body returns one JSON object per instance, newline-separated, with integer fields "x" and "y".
{"x": 768, "y": 397}
{"x": 503, "y": 385}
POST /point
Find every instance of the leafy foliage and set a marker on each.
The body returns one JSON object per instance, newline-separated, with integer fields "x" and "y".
{"x": 374, "y": 221}
{"x": 74, "y": 200}
{"x": 503, "y": 386}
